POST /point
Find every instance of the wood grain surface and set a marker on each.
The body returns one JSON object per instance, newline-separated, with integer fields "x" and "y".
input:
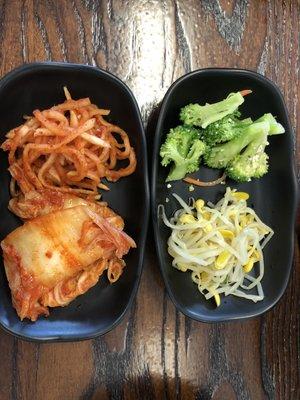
{"x": 157, "y": 353}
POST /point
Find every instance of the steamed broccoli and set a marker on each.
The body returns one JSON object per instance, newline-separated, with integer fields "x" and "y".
{"x": 224, "y": 140}
{"x": 220, "y": 156}
{"x": 202, "y": 116}
{"x": 275, "y": 127}
{"x": 225, "y": 129}
{"x": 244, "y": 156}
{"x": 253, "y": 162}
{"x": 183, "y": 148}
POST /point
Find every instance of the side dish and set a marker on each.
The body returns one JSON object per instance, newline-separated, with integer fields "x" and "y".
{"x": 217, "y": 132}
{"x": 57, "y": 160}
{"x": 54, "y": 258}
{"x": 70, "y": 148}
{"x": 221, "y": 245}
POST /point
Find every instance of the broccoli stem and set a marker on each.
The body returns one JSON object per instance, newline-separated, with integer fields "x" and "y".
{"x": 252, "y": 163}
{"x": 258, "y": 145}
{"x": 177, "y": 172}
{"x": 195, "y": 114}
{"x": 275, "y": 127}
{"x": 217, "y": 111}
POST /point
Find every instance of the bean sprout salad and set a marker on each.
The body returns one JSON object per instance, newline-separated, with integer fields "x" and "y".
{"x": 220, "y": 244}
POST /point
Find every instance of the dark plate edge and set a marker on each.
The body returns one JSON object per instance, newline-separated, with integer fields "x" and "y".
{"x": 70, "y": 338}
{"x": 155, "y": 164}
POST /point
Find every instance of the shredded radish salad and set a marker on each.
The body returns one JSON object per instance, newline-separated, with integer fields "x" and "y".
{"x": 221, "y": 245}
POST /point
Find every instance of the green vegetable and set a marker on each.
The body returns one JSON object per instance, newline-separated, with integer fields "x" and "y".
{"x": 183, "y": 149}
{"x": 275, "y": 127}
{"x": 244, "y": 156}
{"x": 202, "y": 116}
{"x": 223, "y": 139}
{"x": 253, "y": 162}
{"x": 225, "y": 129}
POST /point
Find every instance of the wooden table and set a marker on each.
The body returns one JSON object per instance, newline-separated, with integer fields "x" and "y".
{"x": 157, "y": 353}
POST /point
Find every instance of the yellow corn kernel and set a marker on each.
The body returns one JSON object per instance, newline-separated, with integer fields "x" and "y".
{"x": 217, "y": 299}
{"x": 241, "y": 195}
{"x": 208, "y": 228}
{"x": 247, "y": 267}
{"x": 226, "y": 234}
{"x": 187, "y": 219}
{"x": 181, "y": 267}
{"x": 222, "y": 259}
{"x": 199, "y": 204}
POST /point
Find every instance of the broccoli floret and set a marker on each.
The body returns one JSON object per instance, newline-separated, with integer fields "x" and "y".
{"x": 221, "y": 155}
{"x": 244, "y": 156}
{"x": 178, "y": 140}
{"x": 183, "y": 148}
{"x": 188, "y": 164}
{"x": 225, "y": 129}
{"x": 202, "y": 116}
{"x": 252, "y": 163}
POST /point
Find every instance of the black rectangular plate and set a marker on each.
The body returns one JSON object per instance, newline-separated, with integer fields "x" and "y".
{"x": 273, "y": 197}
{"x": 40, "y": 86}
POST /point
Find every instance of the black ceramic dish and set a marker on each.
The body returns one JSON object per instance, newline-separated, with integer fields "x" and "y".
{"x": 273, "y": 197}
{"x": 102, "y": 307}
